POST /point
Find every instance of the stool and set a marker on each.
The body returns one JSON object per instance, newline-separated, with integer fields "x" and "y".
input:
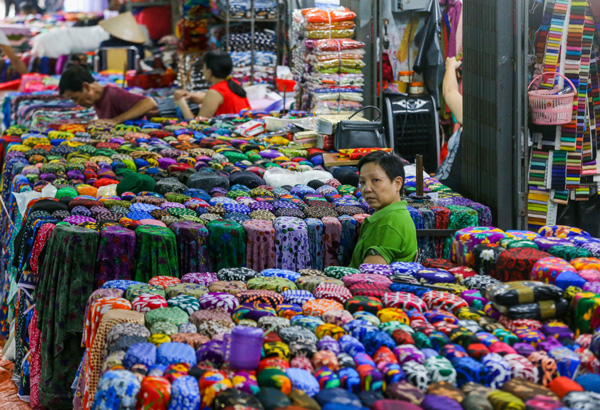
{"x": 117, "y": 244}
{"x": 291, "y": 243}
{"x": 260, "y": 251}
{"x": 227, "y": 244}
{"x": 332, "y": 235}
{"x": 348, "y": 238}
{"x": 191, "y": 246}
{"x": 315, "y": 238}
{"x": 155, "y": 253}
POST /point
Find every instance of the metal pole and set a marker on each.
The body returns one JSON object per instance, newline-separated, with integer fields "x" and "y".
{"x": 419, "y": 161}
{"x": 520, "y": 133}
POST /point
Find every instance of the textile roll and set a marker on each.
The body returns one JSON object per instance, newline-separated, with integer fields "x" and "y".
{"x": 485, "y": 257}
{"x": 291, "y": 243}
{"x": 348, "y": 239}
{"x": 66, "y": 281}
{"x": 92, "y": 372}
{"x": 155, "y": 253}
{"x": 315, "y": 236}
{"x": 466, "y": 239}
{"x": 115, "y": 251}
{"x": 516, "y": 264}
{"x": 227, "y": 241}
{"x": 260, "y": 251}
{"x": 332, "y": 235}
{"x": 547, "y": 269}
{"x": 192, "y": 249}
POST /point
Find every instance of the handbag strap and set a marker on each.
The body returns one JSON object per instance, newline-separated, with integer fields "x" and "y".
{"x": 366, "y": 108}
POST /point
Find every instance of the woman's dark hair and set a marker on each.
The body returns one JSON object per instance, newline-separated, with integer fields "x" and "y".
{"x": 219, "y": 62}
{"x": 72, "y": 79}
{"x": 392, "y": 164}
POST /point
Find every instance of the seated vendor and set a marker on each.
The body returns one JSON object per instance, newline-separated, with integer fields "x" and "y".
{"x": 113, "y": 104}
{"x": 226, "y": 96}
{"x": 389, "y": 235}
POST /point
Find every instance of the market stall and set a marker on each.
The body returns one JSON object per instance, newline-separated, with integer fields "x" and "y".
{"x": 208, "y": 263}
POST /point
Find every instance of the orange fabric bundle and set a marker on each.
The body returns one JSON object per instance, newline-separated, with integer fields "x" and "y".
{"x": 84, "y": 189}
{"x": 315, "y": 15}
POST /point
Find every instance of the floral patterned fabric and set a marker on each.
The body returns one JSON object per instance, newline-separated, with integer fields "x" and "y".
{"x": 155, "y": 253}
{"x": 66, "y": 280}
{"x": 115, "y": 252}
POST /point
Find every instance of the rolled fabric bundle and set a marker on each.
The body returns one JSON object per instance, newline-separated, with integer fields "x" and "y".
{"x": 586, "y": 263}
{"x": 260, "y": 252}
{"x": 192, "y": 250}
{"x": 292, "y": 247}
{"x": 520, "y": 292}
{"x": 155, "y": 253}
{"x": 70, "y": 255}
{"x": 443, "y": 300}
{"x": 227, "y": 244}
{"x": 516, "y": 264}
{"x": 547, "y": 269}
{"x": 315, "y": 236}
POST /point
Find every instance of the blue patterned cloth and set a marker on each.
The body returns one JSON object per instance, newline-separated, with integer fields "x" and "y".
{"x": 282, "y": 273}
{"x": 140, "y": 353}
{"x": 173, "y": 353}
{"x": 117, "y": 390}
{"x": 185, "y": 394}
{"x": 303, "y": 380}
{"x": 120, "y": 284}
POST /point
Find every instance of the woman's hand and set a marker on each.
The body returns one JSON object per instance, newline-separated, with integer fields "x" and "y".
{"x": 181, "y": 94}
{"x": 452, "y": 64}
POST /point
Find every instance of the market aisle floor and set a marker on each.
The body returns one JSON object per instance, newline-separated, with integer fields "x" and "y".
{"x": 8, "y": 391}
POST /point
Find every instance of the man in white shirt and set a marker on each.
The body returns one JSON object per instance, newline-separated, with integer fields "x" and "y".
{"x": 8, "y": 51}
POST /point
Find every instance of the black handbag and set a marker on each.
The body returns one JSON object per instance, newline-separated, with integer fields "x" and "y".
{"x": 360, "y": 134}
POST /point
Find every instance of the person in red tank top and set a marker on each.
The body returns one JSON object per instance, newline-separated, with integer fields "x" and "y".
{"x": 226, "y": 96}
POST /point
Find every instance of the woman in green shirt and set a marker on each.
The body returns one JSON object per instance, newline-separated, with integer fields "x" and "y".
{"x": 389, "y": 235}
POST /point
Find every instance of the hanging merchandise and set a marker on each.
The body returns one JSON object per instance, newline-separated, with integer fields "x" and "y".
{"x": 563, "y": 162}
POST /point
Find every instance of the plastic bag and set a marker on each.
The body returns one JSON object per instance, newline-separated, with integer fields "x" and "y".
{"x": 340, "y": 25}
{"x": 333, "y": 44}
{"x": 548, "y": 309}
{"x": 342, "y": 62}
{"x": 342, "y": 70}
{"x": 318, "y": 34}
{"x": 521, "y": 292}
{"x": 315, "y": 15}
{"x": 332, "y": 55}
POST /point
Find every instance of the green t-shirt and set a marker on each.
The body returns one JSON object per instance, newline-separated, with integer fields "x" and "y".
{"x": 391, "y": 232}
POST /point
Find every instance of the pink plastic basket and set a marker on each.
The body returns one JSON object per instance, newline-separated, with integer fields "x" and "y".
{"x": 550, "y": 109}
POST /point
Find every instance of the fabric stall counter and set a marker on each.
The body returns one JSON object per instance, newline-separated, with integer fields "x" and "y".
{"x": 180, "y": 261}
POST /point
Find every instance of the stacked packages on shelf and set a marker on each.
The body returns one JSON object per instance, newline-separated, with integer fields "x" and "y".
{"x": 264, "y": 67}
{"x": 265, "y": 56}
{"x": 327, "y": 63}
{"x": 241, "y": 9}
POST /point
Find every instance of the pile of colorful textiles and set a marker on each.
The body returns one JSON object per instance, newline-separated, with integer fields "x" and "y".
{"x": 327, "y": 63}
{"x": 264, "y": 67}
{"x": 131, "y": 252}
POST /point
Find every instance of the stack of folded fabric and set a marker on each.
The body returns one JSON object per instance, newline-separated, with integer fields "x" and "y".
{"x": 241, "y": 9}
{"x": 327, "y": 63}
{"x": 263, "y": 41}
{"x": 264, "y": 67}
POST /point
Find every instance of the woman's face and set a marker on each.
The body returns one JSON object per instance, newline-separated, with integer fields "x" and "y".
{"x": 377, "y": 188}
{"x": 207, "y": 72}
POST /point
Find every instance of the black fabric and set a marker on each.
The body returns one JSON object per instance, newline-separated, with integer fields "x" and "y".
{"x": 272, "y": 398}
